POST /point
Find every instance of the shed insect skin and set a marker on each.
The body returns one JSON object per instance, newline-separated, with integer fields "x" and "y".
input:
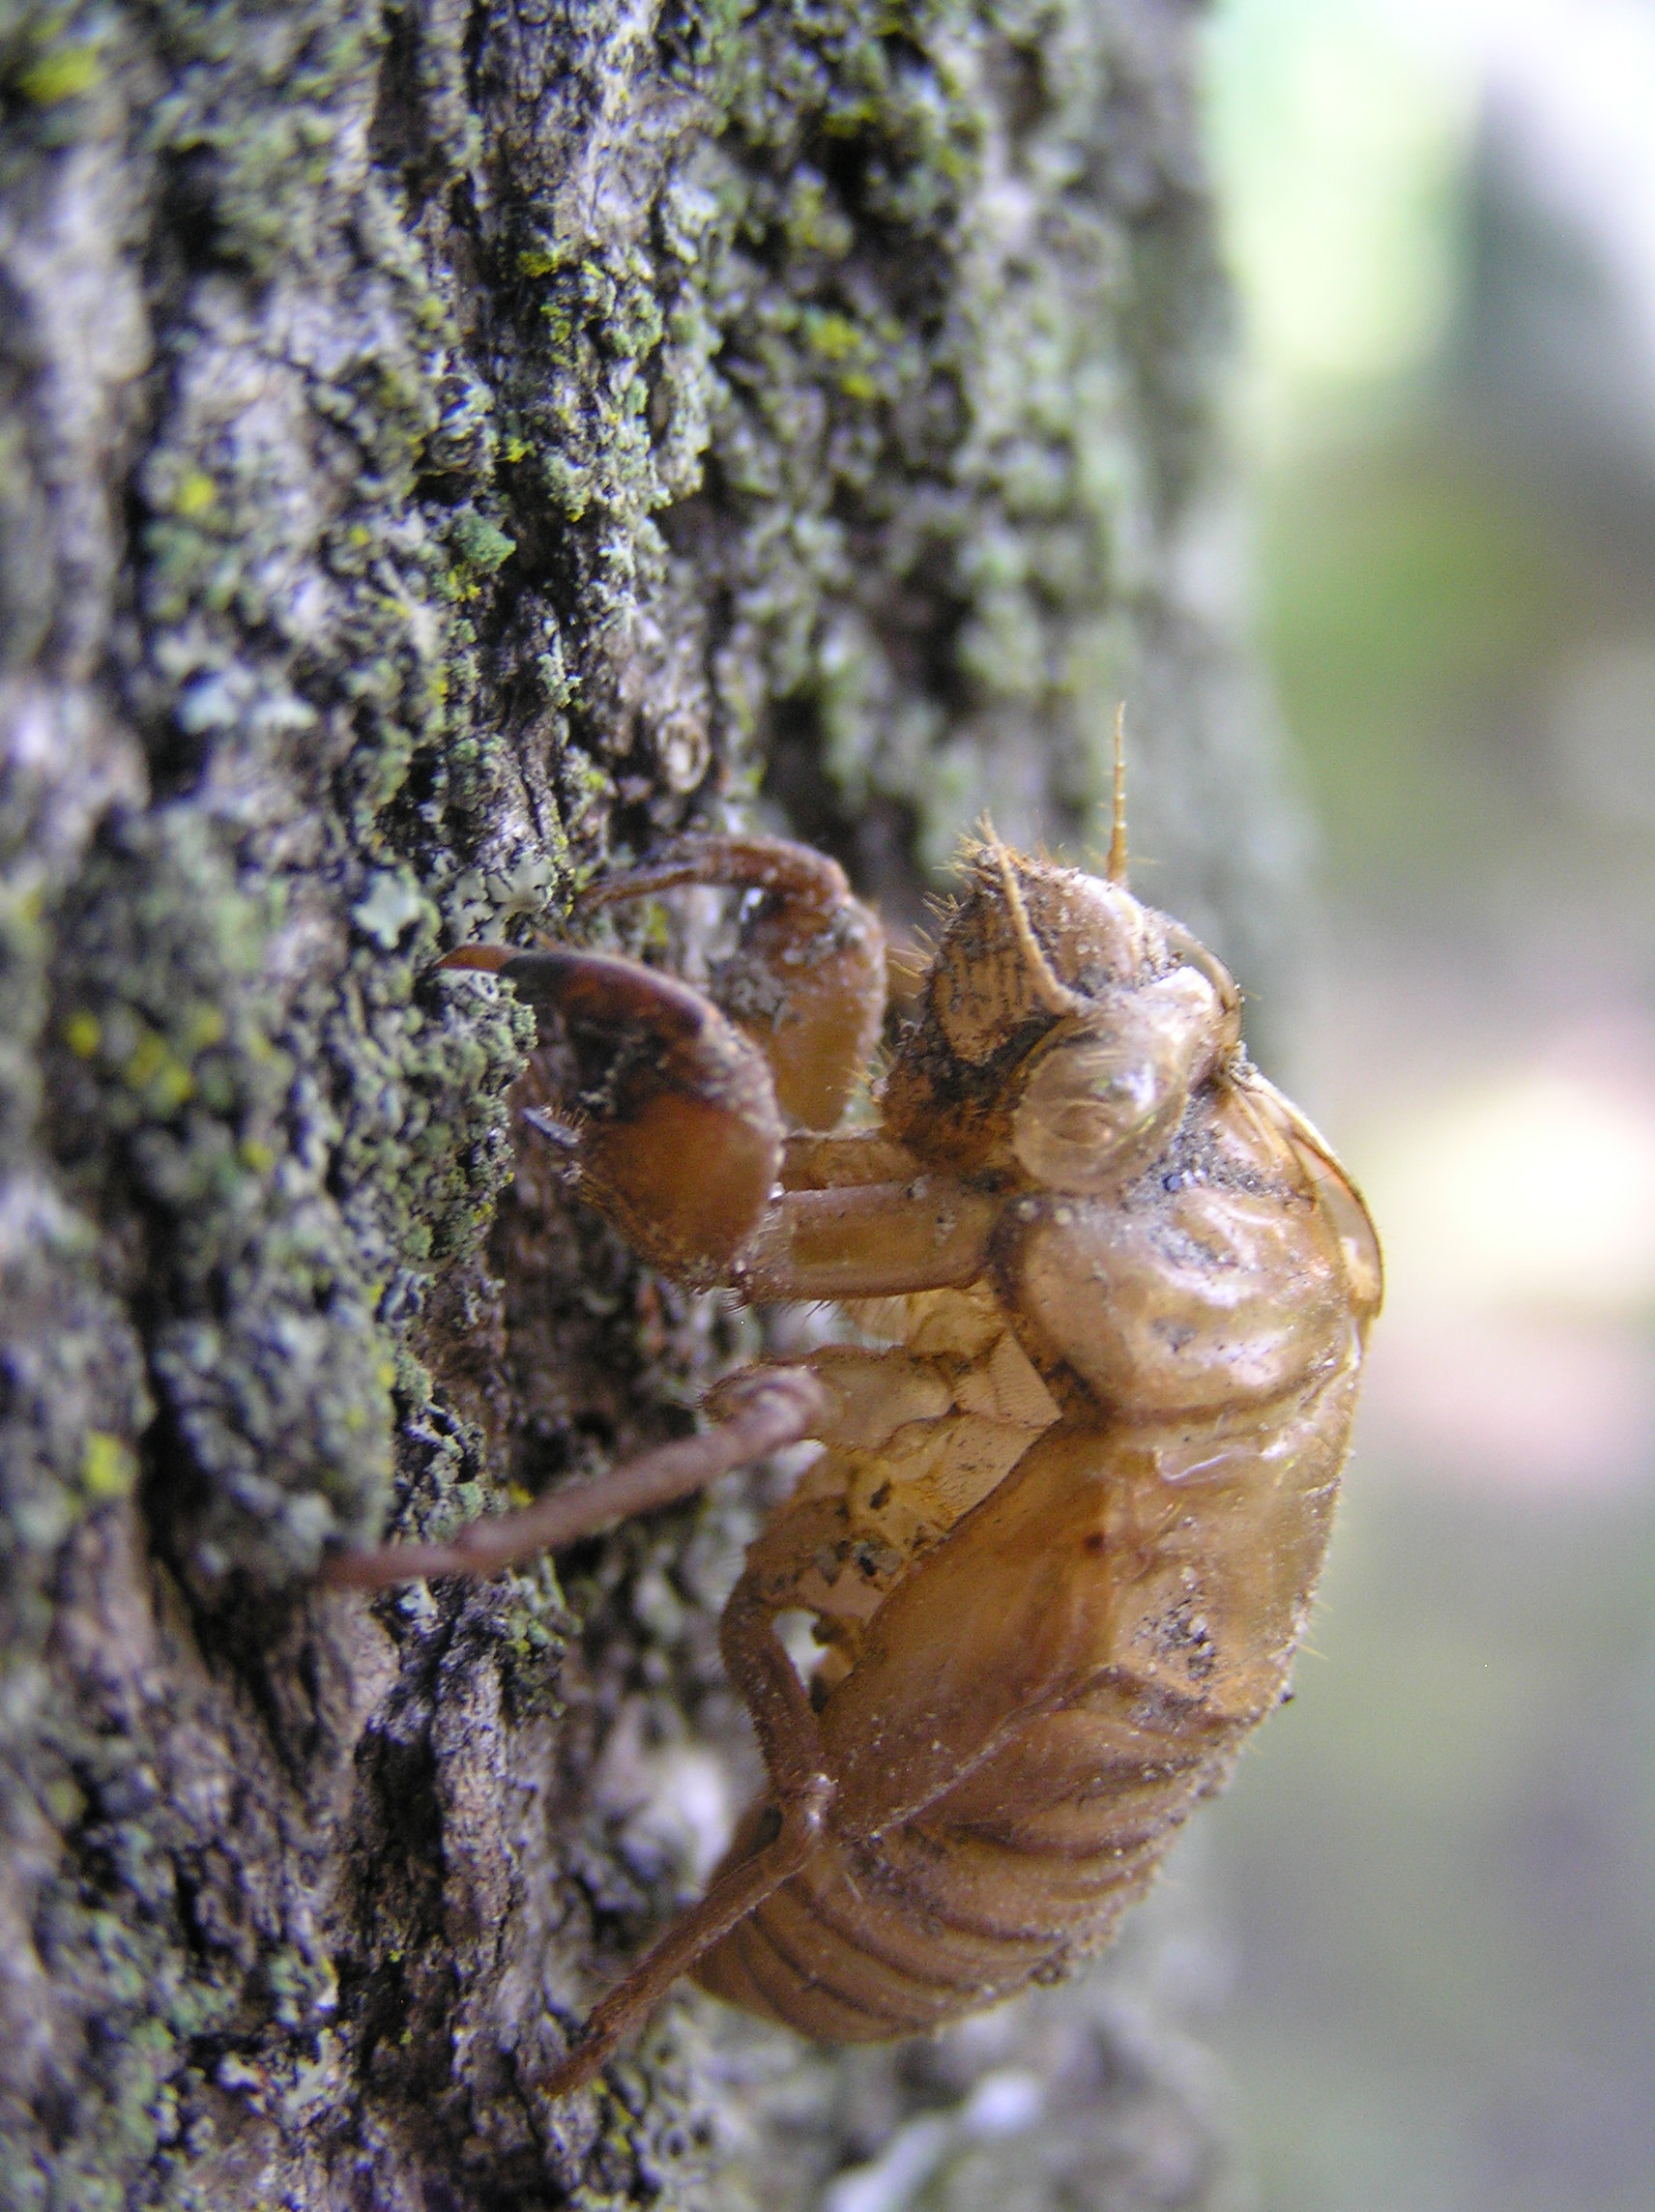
{"x": 1061, "y": 1541}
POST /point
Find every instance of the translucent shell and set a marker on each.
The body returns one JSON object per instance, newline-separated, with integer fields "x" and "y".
{"x": 1062, "y": 1544}
{"x": 1076, "y": 1483}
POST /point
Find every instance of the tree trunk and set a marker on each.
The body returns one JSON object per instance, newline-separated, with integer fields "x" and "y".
{"x": 447, "y": 446}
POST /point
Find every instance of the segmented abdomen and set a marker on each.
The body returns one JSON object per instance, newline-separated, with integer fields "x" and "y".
{"x": 901, "y": 1934}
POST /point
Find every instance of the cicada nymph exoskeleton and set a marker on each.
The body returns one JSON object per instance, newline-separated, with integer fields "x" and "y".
{"x": 1075, "y": 1487}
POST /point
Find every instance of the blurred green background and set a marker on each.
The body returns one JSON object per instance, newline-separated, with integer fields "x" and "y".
{"x": 1436, "y": 1867}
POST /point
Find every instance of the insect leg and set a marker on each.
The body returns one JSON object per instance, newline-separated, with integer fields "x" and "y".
{"x": 679, "y": 1139}
{"x": 732, "y": 1896}
{"x": 788, "y": 1827}
{"x": 807, "y": 983}
{"x": 758, "y": 1662}
{"x": 763, "y": 1408}
{"x": 869, "y": 1241}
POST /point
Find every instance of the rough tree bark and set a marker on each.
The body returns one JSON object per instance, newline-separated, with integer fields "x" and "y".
{"x": 446, "y": 445}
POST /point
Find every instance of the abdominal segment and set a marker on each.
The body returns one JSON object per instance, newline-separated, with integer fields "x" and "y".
{"x": 899, "y": 1933}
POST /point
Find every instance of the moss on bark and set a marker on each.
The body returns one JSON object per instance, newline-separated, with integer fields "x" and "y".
{"x": 443, "y": 447}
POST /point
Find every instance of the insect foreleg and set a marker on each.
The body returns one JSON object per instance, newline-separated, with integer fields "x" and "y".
{"x": 763, "y": 1408}
{"x": 808, "y": 981}
{"x": 679, "y": 1140}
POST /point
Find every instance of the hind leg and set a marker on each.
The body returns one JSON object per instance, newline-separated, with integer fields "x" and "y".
{"x": 788, "y": 1826}
{"x": 732, "y": 1896}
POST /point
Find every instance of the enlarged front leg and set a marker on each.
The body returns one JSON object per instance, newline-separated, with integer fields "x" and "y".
{"x": 808, "y": 981}
{"x": 676, "y": 1134}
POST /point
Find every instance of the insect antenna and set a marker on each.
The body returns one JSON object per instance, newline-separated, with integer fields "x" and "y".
{"x": 1115, "y": 865}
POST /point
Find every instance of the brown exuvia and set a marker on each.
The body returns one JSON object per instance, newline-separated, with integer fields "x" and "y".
{"x": 1063, "y": 1539}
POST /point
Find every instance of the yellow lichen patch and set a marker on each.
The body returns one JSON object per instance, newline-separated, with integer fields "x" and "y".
{"x": 204, "y": 1029}
{"x": 155, "y": 1070}
{"x": 195, "y": 494}
{"x": 65, "y": 73}
{"x": 108, "y": 1466}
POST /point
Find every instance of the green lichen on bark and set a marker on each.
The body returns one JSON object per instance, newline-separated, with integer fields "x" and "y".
{"x": 443, "y": 447}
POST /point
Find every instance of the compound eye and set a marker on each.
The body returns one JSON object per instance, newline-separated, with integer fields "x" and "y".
{"x": 1085, "y": 1108}
{"x": 1099, "y": 1104}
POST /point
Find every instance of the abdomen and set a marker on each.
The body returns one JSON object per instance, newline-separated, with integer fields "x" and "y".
{"x": 1020, "y": 1870}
